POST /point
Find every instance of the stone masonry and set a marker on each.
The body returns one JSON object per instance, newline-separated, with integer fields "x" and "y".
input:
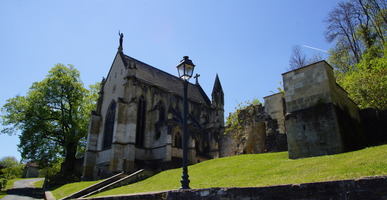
{"x": 320, "y": 118}
{"x": 313, "y": 117}
{"x": 262, "y": 129}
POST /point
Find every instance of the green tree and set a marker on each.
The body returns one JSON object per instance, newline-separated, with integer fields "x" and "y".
{"x": 10, "y": 168}
{"x": 359, "y": 30}
{"x": 355, "y": 27}
{"x": 367, "y": 83}
{"x": 53, "y": 118}
{"x": 52, "y": 170}
{"x": 340, "y": 58}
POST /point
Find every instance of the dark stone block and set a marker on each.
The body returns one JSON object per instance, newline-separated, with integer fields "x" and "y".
{"x": 374, "y": 124}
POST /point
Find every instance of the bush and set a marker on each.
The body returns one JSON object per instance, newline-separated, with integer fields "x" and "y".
{"x": 10, "y": 168}
{"x": 3, "y": 183}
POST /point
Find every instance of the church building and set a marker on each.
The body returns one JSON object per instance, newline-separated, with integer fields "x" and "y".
{"x": 137, "y": 123}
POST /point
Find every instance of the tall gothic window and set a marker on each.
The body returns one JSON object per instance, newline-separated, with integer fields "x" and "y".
{"x": 141, "y": 121}
{"x": 161, "y": 112}
{"x": 109, "y": 126}
{"x": 178, "y": 143}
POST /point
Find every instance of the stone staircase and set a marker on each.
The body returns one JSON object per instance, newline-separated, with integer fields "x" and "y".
{"x": 117, "y": 180}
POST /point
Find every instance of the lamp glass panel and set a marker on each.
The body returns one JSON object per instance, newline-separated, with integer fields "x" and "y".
{"x": 180, "y": 70}
{"x": 189, "y": 70}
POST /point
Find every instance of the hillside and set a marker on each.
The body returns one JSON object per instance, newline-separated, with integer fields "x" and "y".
{"x": 254, "y": 170}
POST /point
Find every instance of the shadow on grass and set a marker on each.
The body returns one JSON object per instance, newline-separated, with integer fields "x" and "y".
{"x": 36, "y": 193}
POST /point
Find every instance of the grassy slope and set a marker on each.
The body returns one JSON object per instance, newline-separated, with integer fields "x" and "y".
{"x": 39, "y": 184}
{"x": 267, "y": 169}
{"x": 71, "y": 188}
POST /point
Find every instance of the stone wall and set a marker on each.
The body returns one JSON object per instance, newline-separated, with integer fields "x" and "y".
{"x": 275, "y": 109}
{"x": 315, "y": 117}
{"x": 320, "y": 118}
{"x": 249, "y": 137}
{"x": 312, "y": 134}
{"x": 306, "y": 87}
{"x": 359, "y": 189}
{"x": 227, "y": 145}
{"x": 262, "y": 129}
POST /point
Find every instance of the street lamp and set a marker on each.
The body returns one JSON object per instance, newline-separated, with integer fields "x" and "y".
{"x": 185, "y": 70}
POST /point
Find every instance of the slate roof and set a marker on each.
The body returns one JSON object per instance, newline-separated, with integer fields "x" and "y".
{"x": 166, "y": 81}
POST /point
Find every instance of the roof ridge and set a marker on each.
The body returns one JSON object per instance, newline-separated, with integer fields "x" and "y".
{"x": 203, "y": 93}
{"x": 175, "y": 79}
{"x": 152, "y": 66}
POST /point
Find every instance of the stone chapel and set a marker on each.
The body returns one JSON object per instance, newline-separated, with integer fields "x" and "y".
{"x": 137, "y": 122}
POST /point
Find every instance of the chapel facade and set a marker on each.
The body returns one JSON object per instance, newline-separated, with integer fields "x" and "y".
{"x": 137, "y": 123}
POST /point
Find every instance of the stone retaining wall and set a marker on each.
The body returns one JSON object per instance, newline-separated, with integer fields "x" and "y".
{"x": 366, "y": 188}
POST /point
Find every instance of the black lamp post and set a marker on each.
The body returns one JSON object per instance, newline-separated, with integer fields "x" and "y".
{"x": 185, "y": 69}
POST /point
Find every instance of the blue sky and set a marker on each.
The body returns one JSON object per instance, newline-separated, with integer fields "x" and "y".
{"x": 247, "y": 43}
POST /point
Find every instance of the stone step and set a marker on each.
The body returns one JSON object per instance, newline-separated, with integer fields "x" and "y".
{"x": 118, "y": 183}
{"x": 109, "y": 183}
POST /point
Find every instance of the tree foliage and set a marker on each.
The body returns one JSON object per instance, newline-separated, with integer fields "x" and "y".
{"x": 52, "y": 170}
{"x": 367, "y": 83}
{"x": 10, "y": 168}
{"x": 358, "y": 29}
{"x": 52, "y": 117}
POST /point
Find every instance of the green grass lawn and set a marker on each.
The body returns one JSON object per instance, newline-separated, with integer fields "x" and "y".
{"x": 267, "y": 169}
{"x": 39, "y": 184}
{"x": 71, "y": 188}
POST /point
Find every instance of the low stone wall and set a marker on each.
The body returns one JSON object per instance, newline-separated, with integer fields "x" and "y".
{"x": 366, "y": 188}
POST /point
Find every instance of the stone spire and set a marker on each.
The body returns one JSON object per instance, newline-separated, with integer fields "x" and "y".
{"x": 217, "y": 94}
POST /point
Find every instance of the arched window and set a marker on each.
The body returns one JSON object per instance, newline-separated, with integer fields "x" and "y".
{"x": 141, "y": 121}
{"x": 178, "y": 143}
{"x": 161, "y": 112}
{"x": 109, "y": 126}
{"x": 161, "y": 115}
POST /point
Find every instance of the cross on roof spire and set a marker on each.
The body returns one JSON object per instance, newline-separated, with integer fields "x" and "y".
{"x": 197, "y": 77}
